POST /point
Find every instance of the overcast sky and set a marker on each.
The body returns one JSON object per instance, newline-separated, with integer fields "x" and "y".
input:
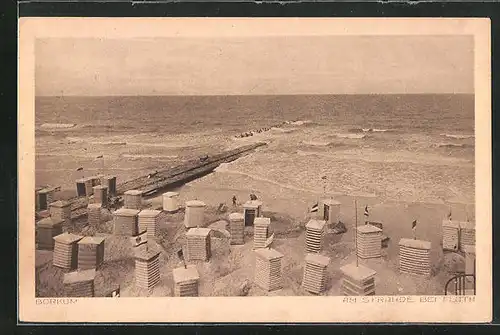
{"x": 260, "y": 65}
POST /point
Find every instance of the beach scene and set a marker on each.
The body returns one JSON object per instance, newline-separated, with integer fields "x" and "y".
{"x": 354, "y": 162}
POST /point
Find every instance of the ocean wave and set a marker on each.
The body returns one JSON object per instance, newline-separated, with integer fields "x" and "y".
{"x": 162, "y": 145}
{"x": 53, "y": 126}
{"x": 375, "y": 130}
{"x": 227, "y": 170}
{"x": 301, "y": 122}
{"x": 327, "y": 144}
{"x": 114, "y": 127}
{"x": 351, "y": 136}
{"x": 368, "y": 130}
{"x": 141, "y": 144}
{"x": 148, "y": 156}
{"x": 458, "y": 136}
{"x": 107, "y": 143}
{"x": 63, "y": 154}
{"x": 387, "y": 158}
{"x": 283, "y": 130}
{"x": 454, "y": 145}
{"x": 317, "y": 143}
{"x": 83, "y": 140}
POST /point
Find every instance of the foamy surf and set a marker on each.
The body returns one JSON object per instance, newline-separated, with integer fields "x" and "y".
{"x": 300, "y": 122}
{"x": 351, "y": 136}
{"x": 83, "y": 140}
{"x": 375, "y": 130}
{"x": 458, "y": 136}
{"x": 162, "y": 145}
{"x": 88, "y": 169}
{"x": 394, "y": 157}
{"x": 227, "y": 170}
{"x": 317, "y": 143}
{"x": 133, "y": 156}
{"x": 63, "y": 154}
{"x": 140, "y": 144}
{"x": 56, "y": 126}
{"x": 454, "y": 145}
{"x": 283, "y": 130}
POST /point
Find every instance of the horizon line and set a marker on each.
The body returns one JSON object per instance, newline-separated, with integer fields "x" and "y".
{"x": 249, "y": 95}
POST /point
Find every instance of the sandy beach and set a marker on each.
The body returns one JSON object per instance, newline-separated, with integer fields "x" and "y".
{"x": 231, "y": 266}
{"x": 401, "y": 174}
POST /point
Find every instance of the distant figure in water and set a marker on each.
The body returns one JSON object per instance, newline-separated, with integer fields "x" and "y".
{"x": 234, "y": 200}
{"x": 253, "y": 197}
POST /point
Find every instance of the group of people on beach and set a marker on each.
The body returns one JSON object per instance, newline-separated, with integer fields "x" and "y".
{"x": 235, "y": 200}
{"x": 252, "y": 132}
{"x": 261, "y": 130}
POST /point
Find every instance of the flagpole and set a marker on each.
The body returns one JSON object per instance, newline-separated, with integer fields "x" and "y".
{"x": 356, "y": 230}
{"x": 324, "y": 188}
{"x": 322, "y": 214}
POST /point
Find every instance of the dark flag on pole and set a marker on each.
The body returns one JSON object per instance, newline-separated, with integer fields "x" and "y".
{"x": 114, "y": 293}
{"x": 315, "y": 208}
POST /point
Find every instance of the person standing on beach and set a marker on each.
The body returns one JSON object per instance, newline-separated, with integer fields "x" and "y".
{"x": 366, "y": 215}
{"x": 234, "y": 201}
{"x": 414, "y": 229}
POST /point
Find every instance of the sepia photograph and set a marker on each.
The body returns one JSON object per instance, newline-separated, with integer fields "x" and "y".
{"x": 269, "y": 162}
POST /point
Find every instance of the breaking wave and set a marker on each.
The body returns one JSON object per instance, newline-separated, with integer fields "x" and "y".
{"x": 458, "y": 136}
{"x": 454, "y": 145}
{"x": 317, "y": 143}
{"x": 52, "y": 126}
{"x": 375, "y": 130}
{"x": 136, "y": 156}
{"x": 141, "y": 144}
{"x": 350, "y": 136}
{"x": 368, "y": 130}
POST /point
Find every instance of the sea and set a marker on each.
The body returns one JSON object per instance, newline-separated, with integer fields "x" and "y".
{"x": 417, "y": 148}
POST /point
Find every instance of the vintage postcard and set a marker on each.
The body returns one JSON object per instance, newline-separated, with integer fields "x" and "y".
{"x": 254, "y": 170}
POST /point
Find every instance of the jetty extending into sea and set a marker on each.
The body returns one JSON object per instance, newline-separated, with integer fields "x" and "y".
{"x": 151, "y": 184}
